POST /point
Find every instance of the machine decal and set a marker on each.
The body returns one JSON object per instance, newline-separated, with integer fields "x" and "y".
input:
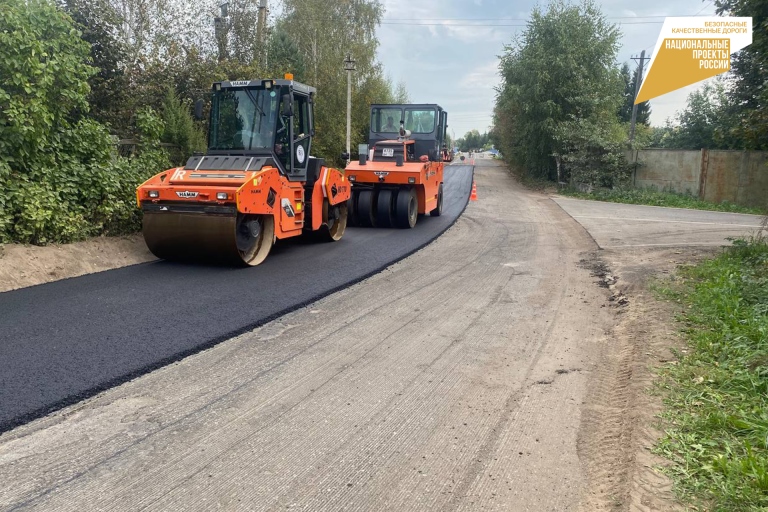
{"x": 324, "y": 181}
{"x": 240, "y": 83}
{"x": 388, "y": 152}
{"x": 381, "y": 174}
{"x": 187, "y": 194}
{"x": 217, "y": 176}
{"x": 300, "y": 154}
{"x": 257, "y": 181}
{"x": 178, "y": 174}
{"x": 285, "y": 203}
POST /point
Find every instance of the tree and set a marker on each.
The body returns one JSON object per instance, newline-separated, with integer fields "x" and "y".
{"x": 705, "y": 122}
{"x": 748, "y": 93}
{"x": 324, "y": 32}
{"x": 99, "y": 24}
{"x": 284, "y": 56}
{"x": 560, "y": 70}
{"x": 625, "y": 111}
{"x": 401, "y": 93}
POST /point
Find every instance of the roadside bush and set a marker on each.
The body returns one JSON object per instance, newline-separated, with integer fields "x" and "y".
{"x": 60, "y": 178}
{"x": 592, "y": 153}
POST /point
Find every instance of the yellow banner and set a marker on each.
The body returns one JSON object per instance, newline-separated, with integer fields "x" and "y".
{"x": 692, "y": 49}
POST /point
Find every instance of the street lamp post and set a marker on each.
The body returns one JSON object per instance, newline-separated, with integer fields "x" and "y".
{"x": 349, "y": 66}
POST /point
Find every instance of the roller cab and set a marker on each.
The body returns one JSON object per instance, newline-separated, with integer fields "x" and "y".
{"x": 255, "y": 184}
{"x": 399, "y": 175}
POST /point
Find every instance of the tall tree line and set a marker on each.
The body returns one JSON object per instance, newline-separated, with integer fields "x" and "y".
{"x": 143, "y": 48}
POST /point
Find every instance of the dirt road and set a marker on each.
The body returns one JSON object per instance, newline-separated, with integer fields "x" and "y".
{"x": 454, "y": 380}
{"x": 503, "y": 367}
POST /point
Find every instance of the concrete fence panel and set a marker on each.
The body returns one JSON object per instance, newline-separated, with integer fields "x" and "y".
{"x": 739, "y": 177}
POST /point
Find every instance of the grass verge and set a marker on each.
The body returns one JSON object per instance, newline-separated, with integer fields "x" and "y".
{"x": 716, "y": 419}
{"x": 656, "y": 198}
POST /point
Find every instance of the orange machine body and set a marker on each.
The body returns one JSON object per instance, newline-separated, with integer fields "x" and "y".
{"x": 418, "y": 172}
{"x": 257, "y": 192}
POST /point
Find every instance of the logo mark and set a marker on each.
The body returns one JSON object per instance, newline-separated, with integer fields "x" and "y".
{"x": 187, "y": 194}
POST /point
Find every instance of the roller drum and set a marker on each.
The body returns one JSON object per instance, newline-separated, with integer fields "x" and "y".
{"x": 226, "y": 239}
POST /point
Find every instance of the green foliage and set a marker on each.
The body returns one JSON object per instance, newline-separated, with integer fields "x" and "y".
{"x": 43, "y": 80}
{"x": 179, "y": 127}
{"x": 748, "y": 94}
{"x": 150, "y": 125}
{"x": 643, "y": 116}
{"x": 560, "y": 70}
{"x": 592, "y": 152}
{"x": 705, "y": 122}
{"x": 716, "y": 422}
{"x": 99, "y": 22}
{"x": 324, "y": 33}
{"x": 653, "y": 197}
{"x": 284, "y": 56}
{"x": 473, "y": 140}
{"x": 59, "y": 177}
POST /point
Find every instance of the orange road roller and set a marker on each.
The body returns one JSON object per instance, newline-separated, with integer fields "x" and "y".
{"x": 256, "y": 183}
{"x": 399, "y": 174}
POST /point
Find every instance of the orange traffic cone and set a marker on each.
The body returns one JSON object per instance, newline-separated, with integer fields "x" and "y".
{"x": 473, "y": 195}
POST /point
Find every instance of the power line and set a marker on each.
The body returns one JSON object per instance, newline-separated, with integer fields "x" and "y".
{"x": 417, "y": 24}
{"x": 526, "y": 19}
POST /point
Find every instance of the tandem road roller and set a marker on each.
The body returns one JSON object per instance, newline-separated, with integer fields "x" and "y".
{"x": 404, "y": 176}
{"x": 256, "y": 183}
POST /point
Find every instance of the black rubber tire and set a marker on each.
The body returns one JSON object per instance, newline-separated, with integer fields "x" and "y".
{"x": 406, "y": 208}
{"x": 439, "y": 208}
{"x": 385, "y": 217}
{"x": 335, "y": 220}
{"x": 352, "y": 209}
{"x": 366, "y": 208}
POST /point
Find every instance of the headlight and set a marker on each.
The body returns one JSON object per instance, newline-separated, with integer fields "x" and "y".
{"x": 411, "y": 180}
{"x": 221, "y": 196}
{"x": 153, "y": 194}
{"x": 351, "y": 178}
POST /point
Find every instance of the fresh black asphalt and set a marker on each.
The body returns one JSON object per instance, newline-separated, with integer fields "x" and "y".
{"x": 64, "y": 341}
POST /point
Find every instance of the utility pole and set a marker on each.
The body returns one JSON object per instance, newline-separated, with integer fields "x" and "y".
{"x": 260, "y": 26}
{"x": 349, "y": 66}
{"x": 221, "y": 28}
{"x": 637, "y": 90}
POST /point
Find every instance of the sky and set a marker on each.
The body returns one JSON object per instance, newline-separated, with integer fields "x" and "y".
{"x": 446, "y": 51}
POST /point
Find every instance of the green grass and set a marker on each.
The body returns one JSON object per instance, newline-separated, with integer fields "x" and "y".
{"x": 716, "y": 417}
{"x": 656, "y": 198}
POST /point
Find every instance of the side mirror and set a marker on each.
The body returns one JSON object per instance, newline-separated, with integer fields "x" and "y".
{"x": 287, "y": 106}
{"x": 345, "y": 156}
{"x": 199, "y": 110}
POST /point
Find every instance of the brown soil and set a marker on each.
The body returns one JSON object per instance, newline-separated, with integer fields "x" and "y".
{"x": 620, "y": 416}
{"x": 27, "y": 265}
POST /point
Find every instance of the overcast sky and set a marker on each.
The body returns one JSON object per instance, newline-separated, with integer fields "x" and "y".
{"x": 452, "y": 60}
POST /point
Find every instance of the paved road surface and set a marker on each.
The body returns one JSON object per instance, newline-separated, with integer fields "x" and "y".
{"x": 615, "y": 226}
{"x": 63, "y": 341}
